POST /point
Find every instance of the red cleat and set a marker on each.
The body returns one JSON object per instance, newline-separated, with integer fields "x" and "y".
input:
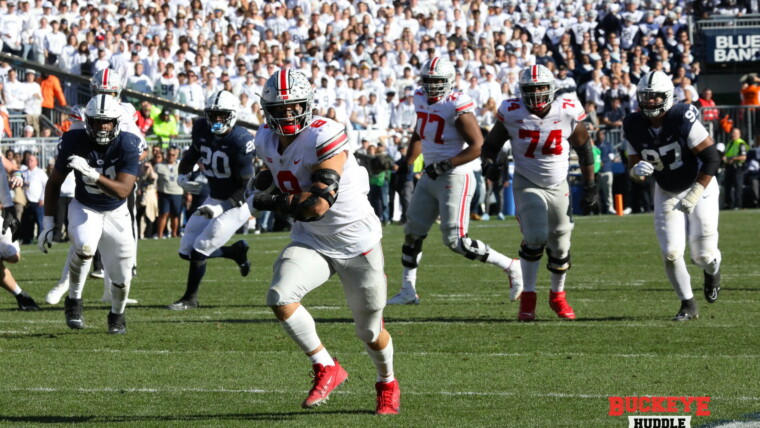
{"x": 326, "y": 379}
{"x": 388, "y": 398}
{"x": 527, "y": 306}
{"x": 560, "y": 306}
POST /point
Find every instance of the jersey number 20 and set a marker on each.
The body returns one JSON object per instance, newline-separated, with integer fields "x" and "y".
{"x": 217, "y": 163}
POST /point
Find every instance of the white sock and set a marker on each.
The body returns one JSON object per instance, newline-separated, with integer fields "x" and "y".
{"x": 383, "y": 360}
{"x": 17, "y": 291}
{"x": 65, "y": 271}
{"x": 106, "y": 287}
{"x": 409, "y": 280}
{"x": 679, "y": 278}
{"x": 78, "y": 269}
{"x": 529, "y": 274}
{"x": 558, "y": 281}
{"x": 499, "y": 259}
{"x": 119, "y": 298}
{"x": 302, "y": 329}
{"x": 714, "y": 266}
{"x": 322, "y": 357}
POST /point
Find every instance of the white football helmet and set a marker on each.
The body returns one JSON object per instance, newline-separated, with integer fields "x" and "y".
{"x": 437, "y": 77}
{"x": 76, "y": 114}
{"x": 221, "y": 112}
{"x": 102, "y": 108}
{"x": 537, "y": 85}
{"x": 655, "y": 86}
{"x": 106, "y": 81}
{"x": 287, "y": 87}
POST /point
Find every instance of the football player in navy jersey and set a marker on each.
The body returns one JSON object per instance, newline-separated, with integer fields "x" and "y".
{"x": 671, "y": 143}
{"x": 226, "y": 152}
{"x": 105, "y": 162}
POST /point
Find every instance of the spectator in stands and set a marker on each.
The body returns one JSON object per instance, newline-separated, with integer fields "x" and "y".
{"x": 147, "y": 200}
{"x": 11, "y": 27}
{"x": 685, "y": 92}
{"x": 706, "y": 102}
{"x": 605, "y": 175}
{"x": 32, "y": 101}
{"x": 613, "y": 117}
{"x": 34, "y": 190}
{"x": 169, "y": 193}
{"x": 14, "y": 93}
{"x": 54, "y": 42}
{"x": 145, "y": 117}
{"x": 51, "y": 92}
{"x": 165, "y": 126}
{"x": 139, "y": 82}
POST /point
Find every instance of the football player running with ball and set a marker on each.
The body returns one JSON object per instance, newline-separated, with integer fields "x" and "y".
{"x": 318, "y": 182}
{"x": 449, "y": 138}
{"x": 669, "y": 142}
{"x": 541, "y": 129}
{"x": 105, "y": 162}
{"x": 226, "y": 152}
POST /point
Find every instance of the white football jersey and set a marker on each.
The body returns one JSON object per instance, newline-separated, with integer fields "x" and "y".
{"x": 350, "y": 226}
{"x": 540, "y": 148}
{"x": 437, "y": 129}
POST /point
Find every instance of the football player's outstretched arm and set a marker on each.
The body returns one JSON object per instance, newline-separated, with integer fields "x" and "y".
{"x": 469, "y": 129}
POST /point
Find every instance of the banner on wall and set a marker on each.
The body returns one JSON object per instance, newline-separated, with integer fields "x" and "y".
{"x": 732, "y": 45}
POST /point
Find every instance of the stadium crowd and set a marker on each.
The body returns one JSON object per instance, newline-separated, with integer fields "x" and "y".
{"x": 363, "y": 58}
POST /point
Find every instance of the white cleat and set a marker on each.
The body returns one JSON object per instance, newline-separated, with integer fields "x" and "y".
{"x": 55, "y": 295}
{"x": 404, "y": 298}
{"x": 515, "y": 280}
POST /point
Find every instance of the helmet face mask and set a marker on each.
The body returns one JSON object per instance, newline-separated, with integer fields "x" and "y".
{"x": 106, "y": 81}
{"x": 221, "y": 112}
{"x": 101, "y": 119}
{"x": 655, "y": 94}
{"x": 287, "y": 102}
{"x": 538, "y": 86}
{"x": 437, "y": 78}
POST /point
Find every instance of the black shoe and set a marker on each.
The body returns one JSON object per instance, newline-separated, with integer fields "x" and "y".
{"x": 72, "y": 308}
{"x": 712, "y": 287}
{"x": 117, "y": 323}
{"x": 26, "y": 303}
{"x": 240, "y": 255}
{"x": 688, "y": 311}
{"x": 183, "y": 305}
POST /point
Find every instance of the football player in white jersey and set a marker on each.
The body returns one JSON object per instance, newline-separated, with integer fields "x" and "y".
{"x": 669, "y": 142}
{"x": 317, "y": 181}
{"x": 109, "y": 82}
{"x": 105, "y": 163}
{"x": 9, "y": 248}
{"x": 541, "y": 129}
{"x": 449, "y": 138}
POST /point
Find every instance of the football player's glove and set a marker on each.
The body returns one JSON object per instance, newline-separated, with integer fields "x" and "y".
{"x": 691, "y": 199}
{"x": 89, "y": 174}
{"x": 10, "y": 222}
{"x": 439, "y": 168}
{"x": 641, "y": 169}
{"x": 46, "y": 235}
{"x": 189, "y": 186}
{"x": 590, "y": 201}
{"x": 491, "y": 171}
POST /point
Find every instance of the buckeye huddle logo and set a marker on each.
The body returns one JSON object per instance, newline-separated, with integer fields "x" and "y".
{"x": 640, "y": 410}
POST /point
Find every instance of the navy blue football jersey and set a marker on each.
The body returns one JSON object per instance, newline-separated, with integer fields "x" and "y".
{"x": 122, "y": 155}
{"x": 225, "y": 159}
{"x": 669, "y": 149}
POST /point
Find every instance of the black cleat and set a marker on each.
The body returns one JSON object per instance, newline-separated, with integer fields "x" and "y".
{"x": 134, "y": 271}
{"x": 183, "y": 305}
{"x": 240, "y": 251}
{"x": 117, "y": 323}
{"x": 712, "y": 287}
{"x": 26, "y": 303}
{"x": 72, "y": 308}
{"x": 688, "y": 311}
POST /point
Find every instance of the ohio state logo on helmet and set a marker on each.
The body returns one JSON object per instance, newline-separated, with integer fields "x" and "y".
{"x": 537, "y": 85}
{"x": 437, "y": 77}
{"x": 287, "y": 102}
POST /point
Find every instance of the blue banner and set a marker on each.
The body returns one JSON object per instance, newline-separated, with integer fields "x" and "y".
{"x": 732, "y": 45}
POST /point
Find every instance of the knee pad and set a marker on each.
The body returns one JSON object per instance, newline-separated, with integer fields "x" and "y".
{"x": 122, "y": 286}
{"x": 411, "y": 251}
{"x": 557, "y": 265}
{"x": 530, "y": 254}
{"x": 471, "y": 248}
{"x": 672, "y": 257}
{"x": 86, "y": 252}
{"x": 184, "y": 256}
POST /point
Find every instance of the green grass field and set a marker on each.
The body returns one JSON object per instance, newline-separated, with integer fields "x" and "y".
{"x": 462, "y": 359}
